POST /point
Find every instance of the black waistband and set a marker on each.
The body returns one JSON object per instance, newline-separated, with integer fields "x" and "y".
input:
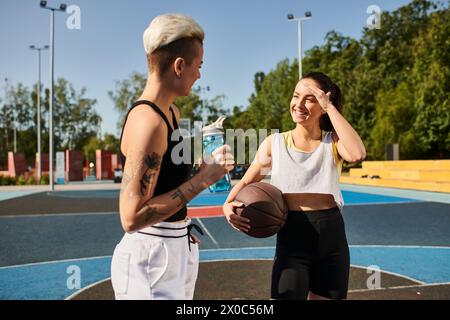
{"x": 315, "y": 214}
{"x": 188, "y": 233}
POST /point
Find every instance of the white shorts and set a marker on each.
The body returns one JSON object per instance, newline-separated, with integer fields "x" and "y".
{"x": 161, "y": 266}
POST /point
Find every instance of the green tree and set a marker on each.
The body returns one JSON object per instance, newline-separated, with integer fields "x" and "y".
{"x": 126, "y": 92}
{"x": 90, "y": 148}
{"x": 75, "y": 120}
{"x": 395, "y": 82}
{"x": 111, "y": 143}
{"x": 431, "y": 76}
{"x": 395, "y": 115}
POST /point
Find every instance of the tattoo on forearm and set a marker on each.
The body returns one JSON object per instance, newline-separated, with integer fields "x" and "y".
{"x": 179, "y": 194}
{"x": 151, "y": 163}
{"x": 146, "y": 181}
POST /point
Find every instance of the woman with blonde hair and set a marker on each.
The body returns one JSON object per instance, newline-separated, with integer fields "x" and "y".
{"x": 157, "y": 257}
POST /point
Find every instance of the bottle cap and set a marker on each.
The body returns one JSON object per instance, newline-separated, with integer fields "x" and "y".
{"x": 215, "y": 127}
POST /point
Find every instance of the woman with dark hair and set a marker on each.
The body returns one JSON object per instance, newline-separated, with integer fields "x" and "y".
{"x": 312, "y": 254}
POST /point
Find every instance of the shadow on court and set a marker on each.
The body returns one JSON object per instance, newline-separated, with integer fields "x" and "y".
{"x": 231, "y": 280}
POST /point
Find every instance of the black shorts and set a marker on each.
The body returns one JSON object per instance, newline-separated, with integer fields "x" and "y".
{"x": 312, "y": 254}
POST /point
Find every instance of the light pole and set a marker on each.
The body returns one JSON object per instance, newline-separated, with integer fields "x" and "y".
{"x": 39, "y": 108}
{"x": 5, "y": 104}
{"x": 15, "y": 128}
{"x": 14, "y": 120}
{"x": 299, "y": 20}
{"x": 202, "y": 90}
{"x": 61, "y": 8}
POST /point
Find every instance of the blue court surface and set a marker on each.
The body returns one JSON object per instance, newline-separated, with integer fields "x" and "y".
{"x": 402, "y": 235}
{"x": 350, "y": 198}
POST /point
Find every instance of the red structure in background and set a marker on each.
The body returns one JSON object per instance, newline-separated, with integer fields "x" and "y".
{"x": 115, "y": 162}
{"x": 17, "y": 164}
{"x": 103, "y": 165}
{"x": 74, "y": 165}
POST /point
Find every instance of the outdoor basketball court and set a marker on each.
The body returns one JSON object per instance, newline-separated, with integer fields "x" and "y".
{"x": 47, "y": 238}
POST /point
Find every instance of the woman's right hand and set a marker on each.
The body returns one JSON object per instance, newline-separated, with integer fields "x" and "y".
{"x": 217, "y": 165}
{"x": 236, "y": 221}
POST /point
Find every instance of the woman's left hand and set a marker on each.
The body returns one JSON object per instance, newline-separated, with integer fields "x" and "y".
{"x": 322, "y": 97}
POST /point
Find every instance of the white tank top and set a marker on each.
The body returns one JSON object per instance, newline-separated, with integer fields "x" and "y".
{"x": 306, "y": 172}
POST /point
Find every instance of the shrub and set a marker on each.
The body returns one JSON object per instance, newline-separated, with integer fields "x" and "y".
{"x": 21, "y": 181}
{"x": 4, "y": 180}
{"x": 45, "y": 179}
{"x": 31, "y": 180}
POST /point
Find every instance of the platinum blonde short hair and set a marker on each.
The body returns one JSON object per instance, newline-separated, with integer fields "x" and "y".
{"x": 167, "y": 28}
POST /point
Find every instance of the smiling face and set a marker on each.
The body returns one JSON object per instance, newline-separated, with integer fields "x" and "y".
{"x": 304, "y": 107}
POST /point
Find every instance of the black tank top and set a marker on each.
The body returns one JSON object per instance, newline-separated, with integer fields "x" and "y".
{"x": 171, "y": 175}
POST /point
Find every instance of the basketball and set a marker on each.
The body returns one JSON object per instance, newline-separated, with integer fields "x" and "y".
{"x": 264, "y": 206}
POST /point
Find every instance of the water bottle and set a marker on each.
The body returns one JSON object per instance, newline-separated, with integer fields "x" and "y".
{"x": 213, "y": 138}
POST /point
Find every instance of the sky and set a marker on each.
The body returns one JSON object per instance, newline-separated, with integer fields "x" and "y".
{"x": 242, "y": 37}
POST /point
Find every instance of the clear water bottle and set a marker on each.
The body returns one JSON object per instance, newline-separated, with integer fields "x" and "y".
{"x": 213, "y": 138}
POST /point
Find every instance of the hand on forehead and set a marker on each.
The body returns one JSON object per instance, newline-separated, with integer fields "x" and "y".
{"x": 305, "y": 87}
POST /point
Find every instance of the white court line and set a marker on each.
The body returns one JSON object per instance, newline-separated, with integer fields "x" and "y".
{"x": 352, "y": 265}
{"x": 58, "y": 214}
{"x": 420, "y": 284}
{"x": 53, "y": 262}
{"x": 398, "y": 246}
{"x": 222, "y": 249}
{"x": 351, "y": 246}
{"x": 384, "y": 203}
{"x": 236, "y": 259}
{"x": 428, "y": 196}
{"x": 208, "y": 233}
{"x": 391, "y": 273}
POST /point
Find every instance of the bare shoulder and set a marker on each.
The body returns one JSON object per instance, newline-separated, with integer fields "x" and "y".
{"x": 265, "y": 151}
{"x": 144, "y": 129}
{"x": 267, "y": 143}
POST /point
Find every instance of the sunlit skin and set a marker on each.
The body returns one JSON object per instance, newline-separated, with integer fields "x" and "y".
{"x": 306, "y": 111}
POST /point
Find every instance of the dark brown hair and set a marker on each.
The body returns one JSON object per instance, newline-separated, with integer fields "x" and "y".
{"x": 327, "y": 85}
{"x": 161, "y": 59}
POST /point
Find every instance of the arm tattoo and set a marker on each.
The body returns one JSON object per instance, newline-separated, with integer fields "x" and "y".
{"x": 152, "y": 162}
{"x": 146, "y": 180}
{"x": 179, "y": 194}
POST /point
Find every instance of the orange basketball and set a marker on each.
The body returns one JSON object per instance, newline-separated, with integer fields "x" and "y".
{"x": 264, "y": 206}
